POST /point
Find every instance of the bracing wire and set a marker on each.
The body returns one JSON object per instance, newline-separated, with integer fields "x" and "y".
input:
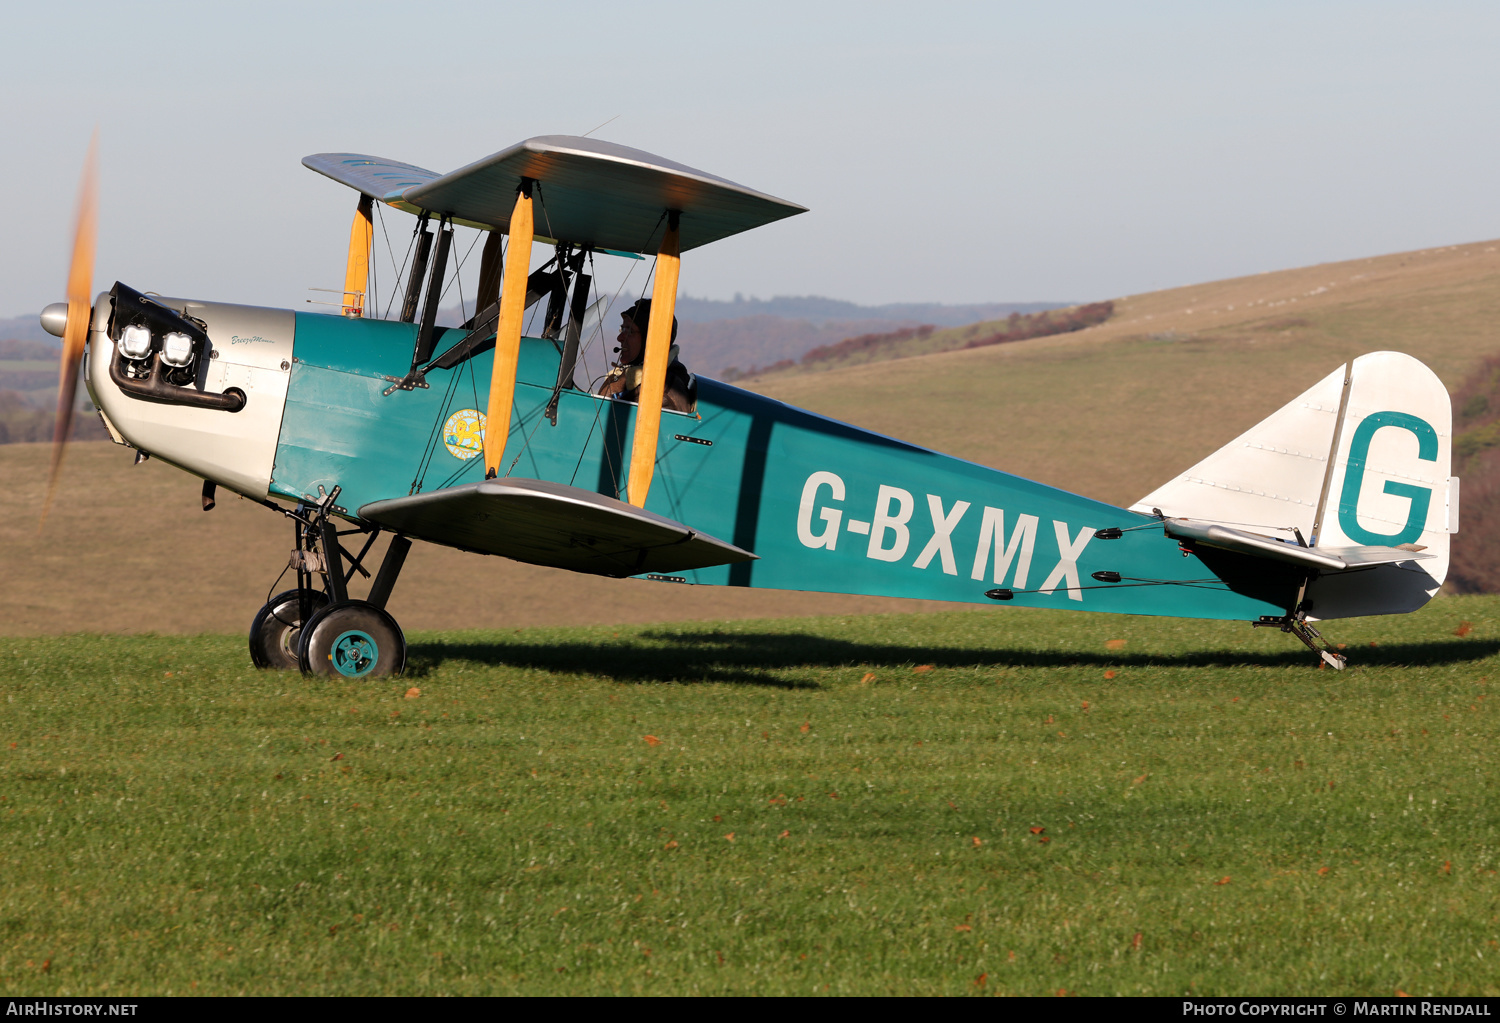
{"x": 1129, "y": 582}
{"x": 598, "y": 126}
{"x": 371, "y": 300}
{"x": 615, "y": 470}
{"x": 435, "y": 435}
{"x": 390, "y": 252}
{"x": 599, "y": 332}
{"x": 453, "y": 383}
{"x": 474, "y": 390}
{"x": 525, "y": 446}
{"x": 396, "y": 284}
{"x": 469, "y": 252}
{"x": 543, "y": 200}
{"x": 466, "y": 367}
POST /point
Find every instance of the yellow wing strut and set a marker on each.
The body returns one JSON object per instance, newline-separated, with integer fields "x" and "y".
{"x": 654, "y": 377}
{"x": 357, "y": 272}
{"x": 508, "y": 331}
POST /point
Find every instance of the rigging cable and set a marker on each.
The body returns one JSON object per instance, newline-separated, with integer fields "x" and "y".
{"x": 435, "y": 435}
{"x": 545, "y": 217}
{"x": 599, "y": 406}
{"x": 469, "y": 252}
{"x": 390, "y": 254}
{"x": 371, "y": 298}
{"x": 452, "y": 477}
{"x": 396, "y": 284}
{"x": 466, "y": 366}
{"x": 1126, "y": 582}
{"x": 526, "y": 445}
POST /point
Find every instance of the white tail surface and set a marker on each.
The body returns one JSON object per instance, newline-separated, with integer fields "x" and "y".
{"x": 1362, "y": 458}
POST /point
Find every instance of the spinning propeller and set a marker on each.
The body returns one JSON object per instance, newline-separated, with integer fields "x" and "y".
{"x": 76, "y": 330}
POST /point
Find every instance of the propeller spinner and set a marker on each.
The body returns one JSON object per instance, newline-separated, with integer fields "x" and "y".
{"x": 75, "y": 320}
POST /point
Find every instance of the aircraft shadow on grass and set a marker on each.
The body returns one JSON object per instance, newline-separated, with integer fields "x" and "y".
{"x": 757, "y": 658}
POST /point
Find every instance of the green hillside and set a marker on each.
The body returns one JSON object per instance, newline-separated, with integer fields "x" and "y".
{"x": 1113, "y": 410}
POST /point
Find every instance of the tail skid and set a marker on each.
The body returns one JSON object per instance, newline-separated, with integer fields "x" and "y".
{"x": 1298, "y": 626}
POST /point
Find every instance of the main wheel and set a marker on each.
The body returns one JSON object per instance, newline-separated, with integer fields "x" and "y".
{"x": 277, "y": 629}
{"x": 353, "y": 639}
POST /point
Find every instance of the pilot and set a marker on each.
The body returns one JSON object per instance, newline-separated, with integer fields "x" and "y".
{"x": 624, "y": 380}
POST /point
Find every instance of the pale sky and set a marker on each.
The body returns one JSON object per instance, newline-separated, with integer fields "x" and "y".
{"x": 948, "y": 152}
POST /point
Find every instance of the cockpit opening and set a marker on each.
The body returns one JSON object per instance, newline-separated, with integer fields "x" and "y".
{"x": 623, "y": 382}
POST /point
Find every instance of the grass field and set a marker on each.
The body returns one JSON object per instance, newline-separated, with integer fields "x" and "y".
{"x": 840, "y": 805}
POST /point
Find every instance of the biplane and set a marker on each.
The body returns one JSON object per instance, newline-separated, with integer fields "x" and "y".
{"x": 483, "y": 437}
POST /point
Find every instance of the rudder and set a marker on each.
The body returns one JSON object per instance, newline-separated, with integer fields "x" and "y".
{"x": 1362, "y": 458}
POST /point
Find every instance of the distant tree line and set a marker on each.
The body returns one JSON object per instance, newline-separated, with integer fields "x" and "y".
{"x": 1060, "y": 321}
{"x": 864, "y": 343}
{"x": 1017, "y": 327}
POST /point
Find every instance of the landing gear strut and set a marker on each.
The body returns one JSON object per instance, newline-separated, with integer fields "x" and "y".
{"x": 1298, "y": 626}
{"x": 322, "y": 631}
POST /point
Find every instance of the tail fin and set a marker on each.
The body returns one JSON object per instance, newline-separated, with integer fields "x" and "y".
{"x": 1362, "y": 458}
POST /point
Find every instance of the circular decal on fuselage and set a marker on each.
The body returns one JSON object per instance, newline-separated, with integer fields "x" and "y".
{"x": 463, "y": 434}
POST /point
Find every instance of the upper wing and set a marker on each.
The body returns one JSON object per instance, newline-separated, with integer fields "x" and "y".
{"x": 592, "y": 192}
{"x": 372, "y": 175}
{"x": 552, "y": 524}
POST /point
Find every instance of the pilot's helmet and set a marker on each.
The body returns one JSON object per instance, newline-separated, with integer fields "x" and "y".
{"x": 640, "y": 314}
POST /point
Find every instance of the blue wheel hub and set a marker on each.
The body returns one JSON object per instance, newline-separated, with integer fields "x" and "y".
{"x": 354, "y": 653}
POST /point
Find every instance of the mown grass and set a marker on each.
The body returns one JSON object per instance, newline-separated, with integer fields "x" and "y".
{"x": 1219, "y": 816}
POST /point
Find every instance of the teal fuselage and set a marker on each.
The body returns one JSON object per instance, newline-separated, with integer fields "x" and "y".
{"x": 826, "y": 506}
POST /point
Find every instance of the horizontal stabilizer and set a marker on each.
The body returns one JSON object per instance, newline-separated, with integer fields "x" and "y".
{"x": 1323, "y": 559}
{"x": 552, "y": 524}
{"x": 592, "y": 192}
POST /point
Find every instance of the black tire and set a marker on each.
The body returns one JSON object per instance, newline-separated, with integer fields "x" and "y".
{"x": 276, "y": 631}
{"x": 353, "y": 640}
